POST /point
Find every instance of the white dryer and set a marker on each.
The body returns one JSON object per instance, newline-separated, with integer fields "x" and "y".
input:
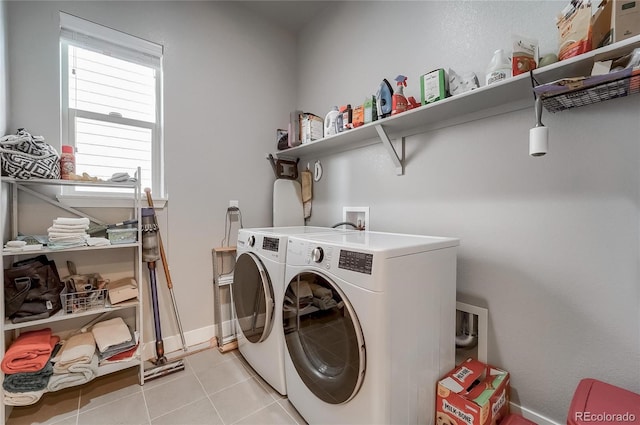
{"x": 257, "y": 294}
{"x": 369, "y": 324}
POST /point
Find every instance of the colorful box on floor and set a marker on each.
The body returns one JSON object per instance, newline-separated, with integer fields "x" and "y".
{"x": 473, "y": 393}
{"x": 601, "y": 403}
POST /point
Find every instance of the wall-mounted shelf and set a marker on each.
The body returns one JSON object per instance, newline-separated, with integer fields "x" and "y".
{"x": 510, "y": 95}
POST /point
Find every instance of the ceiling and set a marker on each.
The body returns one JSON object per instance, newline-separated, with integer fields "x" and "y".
{"x": 291, "y": 15}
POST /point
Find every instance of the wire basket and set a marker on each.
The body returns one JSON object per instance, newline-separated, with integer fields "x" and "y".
{"x": 76, "y": 302}
{"x": 558, "y": 96}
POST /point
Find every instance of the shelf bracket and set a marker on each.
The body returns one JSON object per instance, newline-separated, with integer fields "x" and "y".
{"x": 397, "y": 162}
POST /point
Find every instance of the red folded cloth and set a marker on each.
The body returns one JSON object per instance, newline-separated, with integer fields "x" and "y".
{"x": 30, "y": 352}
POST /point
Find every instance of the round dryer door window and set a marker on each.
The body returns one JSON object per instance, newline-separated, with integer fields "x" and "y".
{"x": 323, "y": 338}
{"x": 253, "y": 297}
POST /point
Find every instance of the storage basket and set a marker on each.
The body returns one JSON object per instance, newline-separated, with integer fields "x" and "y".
{"x": 76, "y": 302}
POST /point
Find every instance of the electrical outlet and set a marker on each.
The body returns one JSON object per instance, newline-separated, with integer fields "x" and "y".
{"x": 234, "y": 203}
{"x": 358, "y": 216}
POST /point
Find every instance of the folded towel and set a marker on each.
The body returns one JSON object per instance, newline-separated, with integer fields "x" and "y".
{"x": 302, "y": 289}
{"x": 118, "y": 348}
{"x": 22, "y": 399}
{"x": 68, "y": 237}
{"x": 111, "y": 332}
{"x": 98, "y": 242}
{"x": 15, "y": 244}
{"x": 28, "y": 381}
{"x": 78, "y": 349}
{"x": 30, "y": 352}
{"x": 79, "y": 373}
{"x": 324, "y": 304}
{"x": 320, "y": 291}
{"x": 60, "y": 228}
{"x": 71, "y": 221}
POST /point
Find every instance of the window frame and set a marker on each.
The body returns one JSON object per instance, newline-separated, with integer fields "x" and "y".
{"x": 68, "y": 116}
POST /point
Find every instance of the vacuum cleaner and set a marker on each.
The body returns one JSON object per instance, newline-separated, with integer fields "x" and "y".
{"x": 150, "y": 254}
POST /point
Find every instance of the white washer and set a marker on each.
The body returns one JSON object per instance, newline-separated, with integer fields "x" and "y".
{"x": 378, "y": 330}
{"x": 257, "y": 294}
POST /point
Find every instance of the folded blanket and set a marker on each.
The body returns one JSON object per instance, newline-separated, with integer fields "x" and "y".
{"x": 30, "y": 352}
{"x": 22, "y": 399}
{"x": 79, "y": 349}
{"x": 71, "y": 221}
{"x": 28, "y": 381}
{"x": 98, "y": 242}
{"x": 111, "y": 332}
{"x": 79, "y": 373}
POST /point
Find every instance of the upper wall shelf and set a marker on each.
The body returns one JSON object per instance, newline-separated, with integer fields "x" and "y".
{"x": 510, "y": 95}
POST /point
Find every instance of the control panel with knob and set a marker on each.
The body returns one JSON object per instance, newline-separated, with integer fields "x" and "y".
{"x": 317, "y": 255}
{"x": 251, "y": 241}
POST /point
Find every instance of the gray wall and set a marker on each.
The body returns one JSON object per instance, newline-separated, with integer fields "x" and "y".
{"x": 227, "y": 83}
{"x": 548, "y": 245}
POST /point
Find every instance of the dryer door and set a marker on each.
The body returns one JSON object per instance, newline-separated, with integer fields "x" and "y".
{"x": 253, "y": 297}
{"x": 323, "y": 337}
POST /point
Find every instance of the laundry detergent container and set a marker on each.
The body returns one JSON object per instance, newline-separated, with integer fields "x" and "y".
{"x": 596, "y": 403}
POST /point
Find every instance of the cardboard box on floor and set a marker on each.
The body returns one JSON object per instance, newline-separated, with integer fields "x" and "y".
{"x": 473, "y": 393}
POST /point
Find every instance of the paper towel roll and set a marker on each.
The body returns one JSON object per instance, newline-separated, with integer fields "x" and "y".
{"x": 538, "y": 141}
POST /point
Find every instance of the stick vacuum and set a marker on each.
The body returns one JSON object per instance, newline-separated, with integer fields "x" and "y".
{"x": 161, "y": 366}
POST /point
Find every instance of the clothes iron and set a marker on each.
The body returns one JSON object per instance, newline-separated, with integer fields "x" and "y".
{"x": 383, "y": 99}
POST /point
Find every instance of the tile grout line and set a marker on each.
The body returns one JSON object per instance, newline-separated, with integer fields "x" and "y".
{"x": 146, "y": 407}
{"x": 209, "y": 398}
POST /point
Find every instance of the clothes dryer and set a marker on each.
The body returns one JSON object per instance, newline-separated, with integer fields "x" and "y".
{"x": 369, "y": 324}
{"x": 257, "y": 294}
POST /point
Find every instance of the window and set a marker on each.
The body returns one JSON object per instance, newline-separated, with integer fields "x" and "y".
{"x": 111, "y": 102}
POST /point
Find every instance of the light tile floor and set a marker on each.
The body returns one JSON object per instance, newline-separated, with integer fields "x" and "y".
{"x": 214, "y": 388}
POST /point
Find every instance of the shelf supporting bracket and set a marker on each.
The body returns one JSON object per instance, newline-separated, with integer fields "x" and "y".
{"x": 397, "y": 161}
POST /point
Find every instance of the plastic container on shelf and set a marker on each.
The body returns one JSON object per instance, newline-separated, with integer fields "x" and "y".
{"x": 499, "y": 68}
{"x": 67, "y": 162}
{"x": 122, "y": 235}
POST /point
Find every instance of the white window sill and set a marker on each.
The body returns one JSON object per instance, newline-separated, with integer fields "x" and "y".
{"x": 104, "y": 201}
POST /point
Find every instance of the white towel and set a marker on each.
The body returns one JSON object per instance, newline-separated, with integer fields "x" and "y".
{"x": 79, "y": 373}
{"x": 67, "y": 229}
{"x": 98, "y": 241}
{"x": 71, "y": 221}
{"x": 320, "y": 291}
{"x": 22, "y": 399}
{"x": 111, "y": 332}
{"x": 79, "y": 348}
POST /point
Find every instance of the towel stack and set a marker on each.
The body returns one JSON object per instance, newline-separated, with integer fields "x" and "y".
{"x": 322, "y": 297}
{"x": 112, "y": 337}
{"x": 68, "y": 232}
{"x": 75, "y": 364}
{"x": 27, "y": 367}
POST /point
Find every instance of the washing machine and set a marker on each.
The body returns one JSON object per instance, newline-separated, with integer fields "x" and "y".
{"x": 257, "y": 294}
{"x": 369, "y": 326}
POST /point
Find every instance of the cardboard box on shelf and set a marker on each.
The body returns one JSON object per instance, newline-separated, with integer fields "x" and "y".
{"x": 122, "y": 290}
{"x": 474, "y": 393}
{"x": 615, "y": 20}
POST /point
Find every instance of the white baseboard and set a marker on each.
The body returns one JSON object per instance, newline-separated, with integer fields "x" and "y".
{"x": 532, "y": 416}
{"x": 195, "y": 340}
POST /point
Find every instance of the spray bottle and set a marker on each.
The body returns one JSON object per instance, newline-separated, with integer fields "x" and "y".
{"x": 398, "y": 101}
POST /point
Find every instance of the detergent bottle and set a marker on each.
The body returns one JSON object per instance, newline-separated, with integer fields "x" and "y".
{"x": 398, "y": 101}
{"x": 330, "y": 122}
{"x": 499, "y": 68}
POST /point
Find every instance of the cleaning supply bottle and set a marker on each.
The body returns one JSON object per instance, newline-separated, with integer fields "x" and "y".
{"x": 499, "y": 68}
{"x": 330, "y": 122}
{"x": 347, "y": 117}
{"x": 67, "y": 162}
{"x": 398, "y": 101}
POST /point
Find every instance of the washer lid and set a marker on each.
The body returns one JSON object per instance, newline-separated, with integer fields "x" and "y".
{"x": 253, "y": 297}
